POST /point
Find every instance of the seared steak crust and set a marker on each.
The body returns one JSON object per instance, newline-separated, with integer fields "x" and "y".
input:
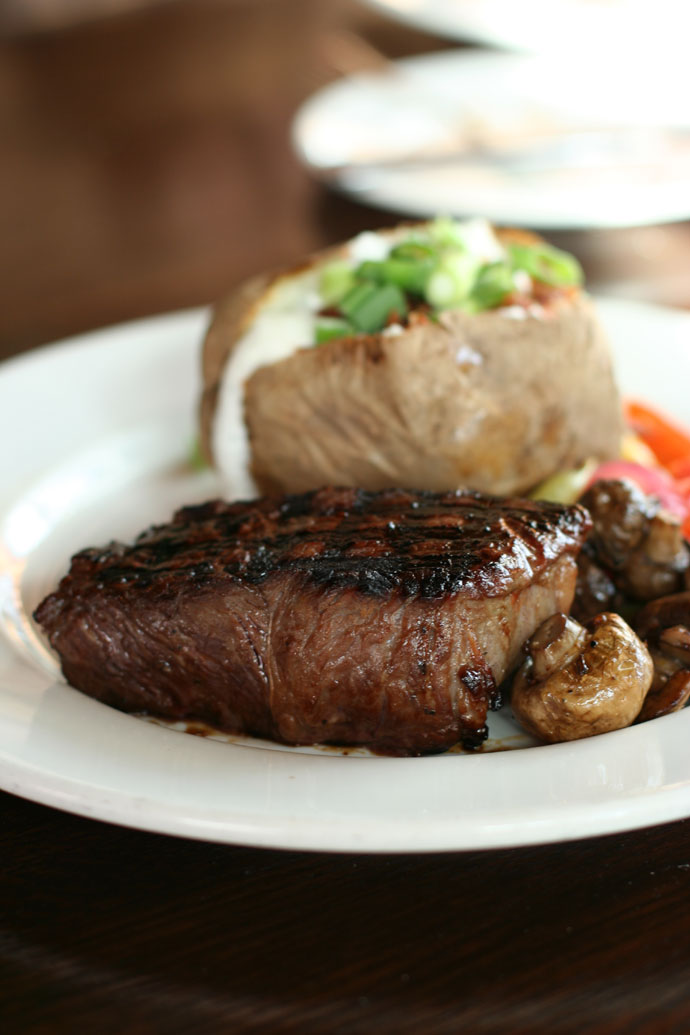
{"x": 379, "y": 618}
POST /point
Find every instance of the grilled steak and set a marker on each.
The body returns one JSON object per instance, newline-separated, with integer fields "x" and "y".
{"x": 380, "y": 618}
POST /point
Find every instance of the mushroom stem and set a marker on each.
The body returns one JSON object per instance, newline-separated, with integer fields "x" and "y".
{"x": 554, "y": 644}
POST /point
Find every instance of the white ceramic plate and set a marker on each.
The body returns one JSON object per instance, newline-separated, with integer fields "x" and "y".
{"x": 536, "y": 26}
{"x": 456, "y": 99}
{"x": 97, "y": 432}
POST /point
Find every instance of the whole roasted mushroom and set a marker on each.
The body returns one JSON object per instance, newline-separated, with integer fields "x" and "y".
{"x": 577, "y": 681}
{"x": 659, "y": 564}
{"x": 664, "y": 624}
{"x": 634, "y": 544}
{"x": 621, "y": 514}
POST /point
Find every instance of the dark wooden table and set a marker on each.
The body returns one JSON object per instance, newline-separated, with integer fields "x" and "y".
{"x": 146, "y": 167}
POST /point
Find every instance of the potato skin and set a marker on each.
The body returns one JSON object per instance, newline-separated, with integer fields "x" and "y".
{"x": 483, "y": 401}
{"x": 486, "y": 401}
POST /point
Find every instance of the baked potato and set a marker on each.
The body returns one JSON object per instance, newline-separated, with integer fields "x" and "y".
{"x": 492, "y": 378}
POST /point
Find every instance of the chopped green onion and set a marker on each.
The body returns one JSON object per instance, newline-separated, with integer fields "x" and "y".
{"x": 442, "y": 290}
{"x": 412, "y": 251}
{"x": 356, "y": 296}
{"x": 368, "y": 306}
{"x": 337, "y": 278}
{"x": 547, "y": 264}
{"x": 328, "y": 328}
{"x": 493, "y": 284}
{"x": 406, "y": 274}
{"x": 452, "y": 281}
{"x": 444, "y": 267}
{"x": 446, "y": 233}
{"x": 371, "y": 270}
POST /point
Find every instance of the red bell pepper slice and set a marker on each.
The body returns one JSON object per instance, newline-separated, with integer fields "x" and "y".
{"x": 667, "y": 439}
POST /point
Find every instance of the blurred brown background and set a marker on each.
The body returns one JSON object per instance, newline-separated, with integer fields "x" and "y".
{"x": 146, "y": 160}
{"x": 140, "y": 148}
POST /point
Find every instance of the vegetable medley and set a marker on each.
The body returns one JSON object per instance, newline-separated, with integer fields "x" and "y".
{"x": 668, "y": 443}
{"x": 655, "y": 456}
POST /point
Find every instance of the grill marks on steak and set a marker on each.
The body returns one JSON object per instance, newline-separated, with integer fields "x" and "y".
{"x": 417, "y": 543}
{"x": 379, "y": 618}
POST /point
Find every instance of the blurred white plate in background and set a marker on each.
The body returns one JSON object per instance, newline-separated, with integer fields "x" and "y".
{"x": 542, "y": 26}
{"x": 456, "y": 101}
